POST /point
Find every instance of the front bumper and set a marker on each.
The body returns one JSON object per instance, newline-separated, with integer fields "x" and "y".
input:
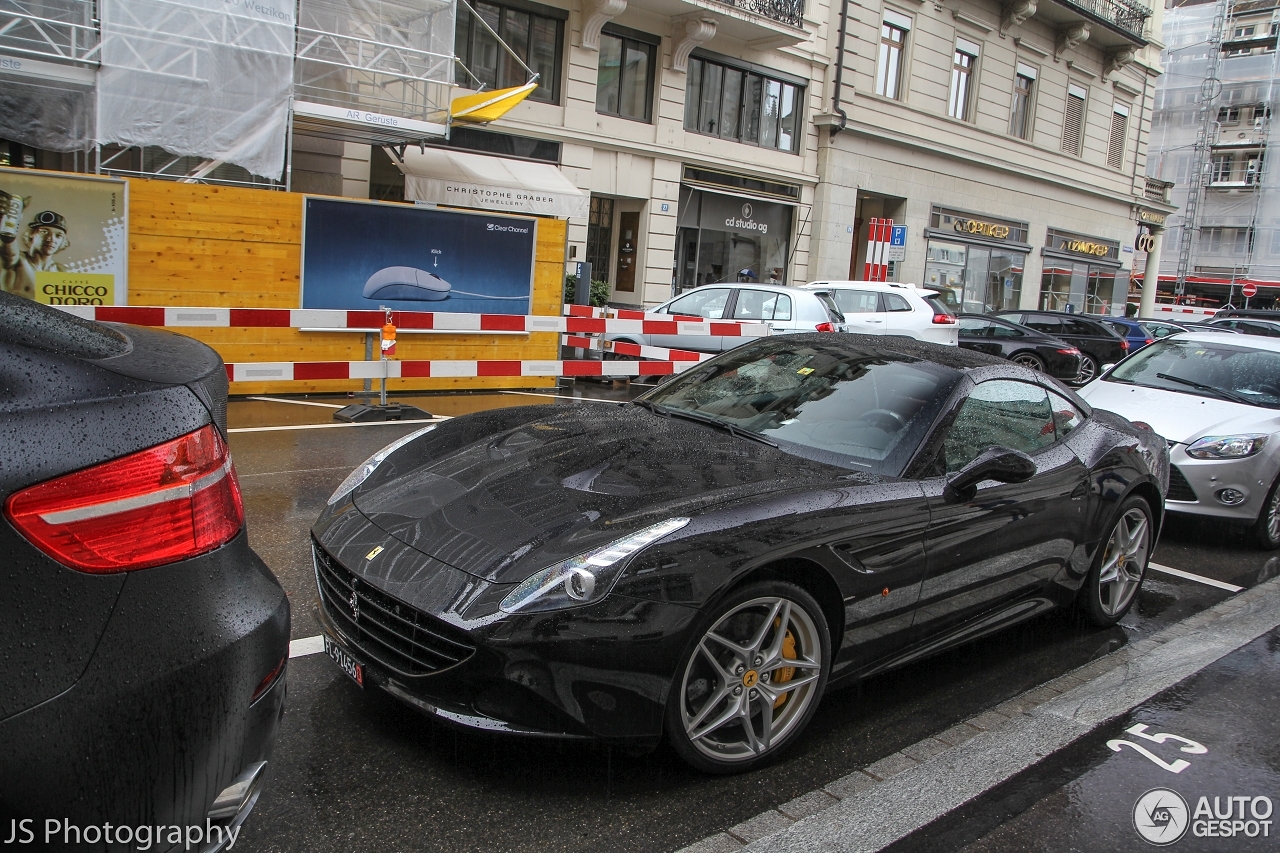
{"x": 161, "y": 722}
{"x": 599, "y": 671}
{"x": 1197, "y": 486}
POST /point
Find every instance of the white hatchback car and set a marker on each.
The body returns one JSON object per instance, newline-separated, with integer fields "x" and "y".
{"x": 784, "y": 309}
{"x": 887, "y": 308}
{"x": 1216, "y": 400}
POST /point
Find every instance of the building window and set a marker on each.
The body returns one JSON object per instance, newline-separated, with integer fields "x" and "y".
{"x": 1024, "y": 83}
{"x": 535, "y": 38}
{"x": 1228, "y": 115}
{"x": 1221, "y": 169}
{"x": 1119, "y": 132}
{"x": 962, "y": 68}
{"x": 893, "y": 43}
{"x": 1073, "y": 119}
{"x": 743, "y": 105}
{"x": 625, "y": 85}
{"x": 600, "y": 236}
{"x": 1211, "y": 240}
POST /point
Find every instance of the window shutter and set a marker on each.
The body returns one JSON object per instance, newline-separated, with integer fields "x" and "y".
{"x": 1119, "y": 130}
{"x": 1072, "y": 120}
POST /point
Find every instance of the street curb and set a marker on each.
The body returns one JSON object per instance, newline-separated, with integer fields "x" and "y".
{"x": 920, "y": 783}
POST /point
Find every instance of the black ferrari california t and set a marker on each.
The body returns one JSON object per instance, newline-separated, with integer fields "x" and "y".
{"x": 705, "y": 561}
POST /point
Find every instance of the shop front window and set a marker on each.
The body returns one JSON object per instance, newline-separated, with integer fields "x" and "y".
{"x": 974, "y": 279}
{"x": 728, "y": 239}
{"x": 1078, "y": 287}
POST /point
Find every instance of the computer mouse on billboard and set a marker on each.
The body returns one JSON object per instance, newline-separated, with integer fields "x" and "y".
{"x": 406, "y": 283}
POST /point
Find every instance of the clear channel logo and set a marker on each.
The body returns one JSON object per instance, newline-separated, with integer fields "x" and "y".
{"x": 1161, "y": 816}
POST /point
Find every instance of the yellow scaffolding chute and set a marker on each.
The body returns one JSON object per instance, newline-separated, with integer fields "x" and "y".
{"x": 489, "y": 106}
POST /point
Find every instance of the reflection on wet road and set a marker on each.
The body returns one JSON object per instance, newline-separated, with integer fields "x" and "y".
{"x": 356, "y": 770}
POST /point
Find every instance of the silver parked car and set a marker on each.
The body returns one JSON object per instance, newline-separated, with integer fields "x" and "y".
{"x": 1216, "y": 399}
{"x": 784, "y": 309}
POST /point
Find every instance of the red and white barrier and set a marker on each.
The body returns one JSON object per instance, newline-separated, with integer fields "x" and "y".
{"x": 372, "y": 321}
{"x": 1176, "y": 311}
{"x": 633, "y": 350}
{"x": 304, "y": 371}
{"x": 879, "y": 233}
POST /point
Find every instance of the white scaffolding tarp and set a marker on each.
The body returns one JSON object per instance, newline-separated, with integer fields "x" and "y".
{"x": 48, "y": 50}
{"x": 199, "y": 78}
{"x": 1238, "y": 220}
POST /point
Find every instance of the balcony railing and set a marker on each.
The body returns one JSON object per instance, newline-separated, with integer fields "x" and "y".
{"x": 789, "y": 12}
{"x": 1130, "y": 17}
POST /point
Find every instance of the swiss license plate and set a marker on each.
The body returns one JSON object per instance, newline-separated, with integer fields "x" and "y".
{"x": 344, "y": 661}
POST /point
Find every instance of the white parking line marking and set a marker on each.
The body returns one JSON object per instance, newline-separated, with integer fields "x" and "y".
{"x": 434, "y": 420}
{"x": 562, "y": 397}
{"x": 306, "y": 646}
{"x": 297, "y": 402}
{"x": 1178, "y": 573}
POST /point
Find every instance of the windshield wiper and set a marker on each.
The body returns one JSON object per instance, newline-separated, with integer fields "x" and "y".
{"x": 653, "y": 407}
{"x": 1200, "y": 386}
{"x": 738, "y": 432}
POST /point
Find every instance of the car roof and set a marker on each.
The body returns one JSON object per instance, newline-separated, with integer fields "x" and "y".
{"x": 861, "y": 285}
{"x": 1266, "y": 321}
{"x": 1258, "y": 342}
{"x": 741, "y": 285}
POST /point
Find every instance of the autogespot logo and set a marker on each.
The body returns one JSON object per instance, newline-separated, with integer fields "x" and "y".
{"x": 1160, "y": 816}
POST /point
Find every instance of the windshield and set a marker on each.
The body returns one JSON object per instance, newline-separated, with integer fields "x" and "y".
{"x": 833, "y": 403}
{"x": 1220, "y": 370}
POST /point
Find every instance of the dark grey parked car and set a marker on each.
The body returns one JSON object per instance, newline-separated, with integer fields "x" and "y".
{"x": 142, "y": 677}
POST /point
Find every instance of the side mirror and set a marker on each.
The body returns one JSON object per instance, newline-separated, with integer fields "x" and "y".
{"x": 1107, "y": 367}
{"x": 994, "y": 463}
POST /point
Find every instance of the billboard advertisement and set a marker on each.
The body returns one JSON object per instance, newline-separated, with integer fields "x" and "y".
{"x": 63, "y": 239}
{"x": 362, "y": 255}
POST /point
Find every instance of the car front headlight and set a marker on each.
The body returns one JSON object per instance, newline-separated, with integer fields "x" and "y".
{"x": 1226, "y": 446}
{"x": 371, "y": 464}
{"x": 585, "y": 578}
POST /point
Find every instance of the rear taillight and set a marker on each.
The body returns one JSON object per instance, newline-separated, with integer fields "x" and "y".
{"x": 944, "y": 320}
{"x": 1124, "y": 345}
{"x": 1069, "y": 351}
{"x": 826, "y": 327}
{"x": 160, "y": 505}
{"x": 267, "y": 682}
{"x": 1149, "y": 341}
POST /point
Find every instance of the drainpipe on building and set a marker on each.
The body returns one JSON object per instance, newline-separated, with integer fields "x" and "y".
{"x": 835, "y": 97}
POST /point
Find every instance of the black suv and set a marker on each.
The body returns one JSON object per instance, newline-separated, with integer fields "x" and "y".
{"x": 1098, "y": 343}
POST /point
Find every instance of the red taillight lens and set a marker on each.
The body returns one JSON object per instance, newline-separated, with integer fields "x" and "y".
{"x": 267, "y": 682}
{"x": 1149, "y": 341}
{"x": 1124, "y": 345}
{"x": 1069, "y": 351}
{"x": 826, "y": 327}
{"x": 944, "y": 320}
{"x": 160, "y": 505}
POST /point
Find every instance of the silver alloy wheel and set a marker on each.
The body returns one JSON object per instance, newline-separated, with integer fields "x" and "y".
{"x": 1123, "y": 562}
{"x": 747, "y": 686}
{"x": 1272, "y": 510}
{"x": 1088, "y": 369}
{"x": 1026, "y": 359}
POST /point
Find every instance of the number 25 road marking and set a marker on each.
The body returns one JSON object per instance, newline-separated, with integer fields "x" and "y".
{"x": 1140, "y": 730}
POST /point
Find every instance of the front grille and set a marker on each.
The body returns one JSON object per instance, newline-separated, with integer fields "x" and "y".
{"x": 1179, "y": 488}
{"x": 392, "y": 633}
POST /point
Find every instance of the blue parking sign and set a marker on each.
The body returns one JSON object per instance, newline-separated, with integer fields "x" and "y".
{"x": 898, "y": 237}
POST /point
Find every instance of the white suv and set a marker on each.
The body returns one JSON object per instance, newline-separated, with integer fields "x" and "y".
{"x": 887, "y": 308}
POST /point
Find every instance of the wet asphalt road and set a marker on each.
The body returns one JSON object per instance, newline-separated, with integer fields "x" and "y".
{"x": 1102, "y": 795}
{"x": 354, "y": 770}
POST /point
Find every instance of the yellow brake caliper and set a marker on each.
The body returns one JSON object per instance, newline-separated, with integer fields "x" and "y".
{"x": 784, "y": 674}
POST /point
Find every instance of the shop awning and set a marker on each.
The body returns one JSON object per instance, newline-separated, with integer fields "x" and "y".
{"x": 463, "y": 179}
